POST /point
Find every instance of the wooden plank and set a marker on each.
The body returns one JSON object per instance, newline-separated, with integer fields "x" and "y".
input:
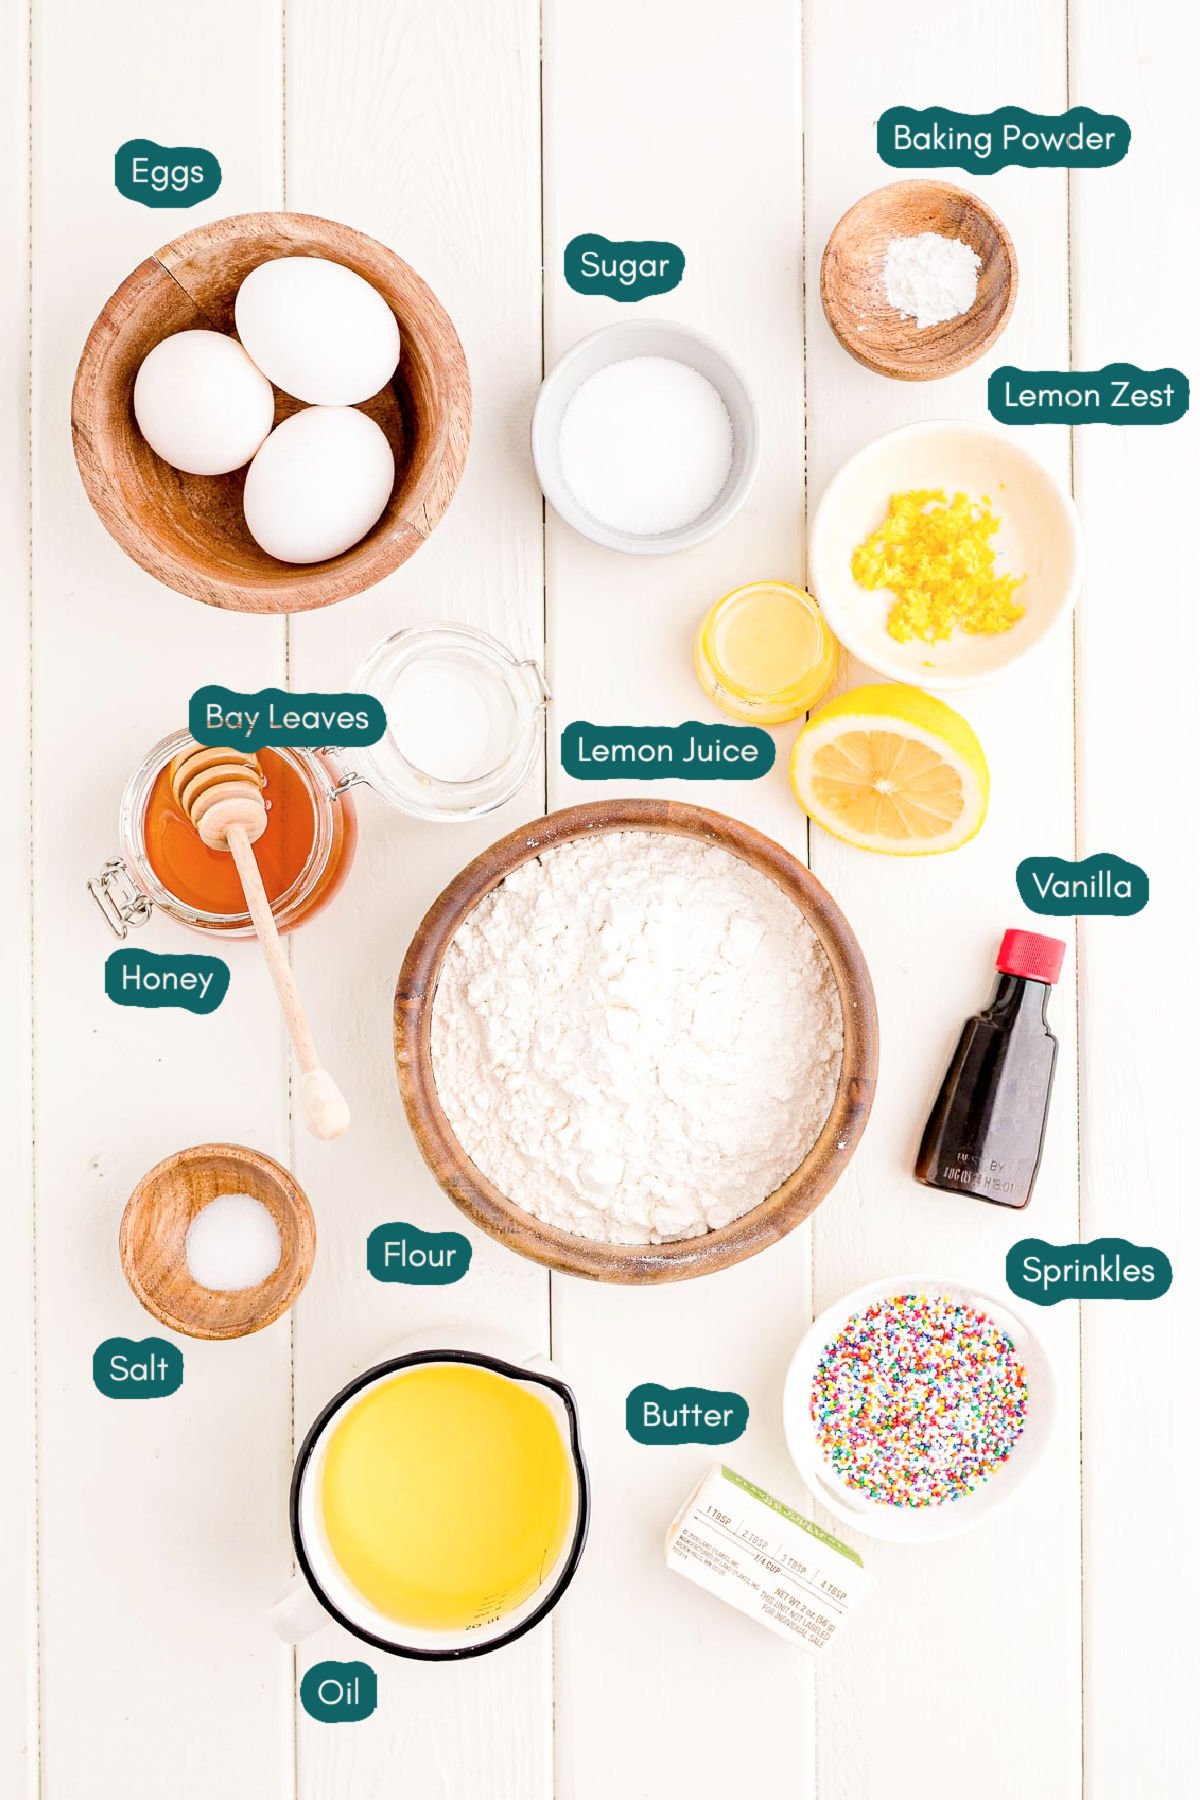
{"x": 680, "y": 122}
{"x": 163, "y": 1539}
{"x": 19, "y": 1750}
{"x": 1140, "y": 975}
{"x": 983, "y": 1630}
{"x": 421, "y": 127}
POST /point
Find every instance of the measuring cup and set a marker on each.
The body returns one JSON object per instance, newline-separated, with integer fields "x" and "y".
{"x": 321, "y": 1592}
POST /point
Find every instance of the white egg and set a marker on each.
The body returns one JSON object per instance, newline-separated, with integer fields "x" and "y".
{"x": 318, "y": 484}
{"x": 201, "y": 404}
{"x": 318, "y": 330}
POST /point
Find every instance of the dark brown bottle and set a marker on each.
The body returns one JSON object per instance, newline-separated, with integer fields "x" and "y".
{"x": 984, "y": 1136}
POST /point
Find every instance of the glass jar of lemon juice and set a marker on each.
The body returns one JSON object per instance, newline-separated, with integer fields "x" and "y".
{"x": 765, "y": 654}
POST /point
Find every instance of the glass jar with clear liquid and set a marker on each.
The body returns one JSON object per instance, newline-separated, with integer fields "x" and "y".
{"x": 464, "y": 721}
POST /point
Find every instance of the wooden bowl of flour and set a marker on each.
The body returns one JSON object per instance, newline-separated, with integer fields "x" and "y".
{"x": 500, "y": 1216}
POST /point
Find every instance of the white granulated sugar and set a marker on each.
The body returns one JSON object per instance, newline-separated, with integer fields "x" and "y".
{"x": 232, "y": 1243}
{"x": 636, "y": 1037}
{"x": 930, "y": 278}
{"x": 646, "y": 445}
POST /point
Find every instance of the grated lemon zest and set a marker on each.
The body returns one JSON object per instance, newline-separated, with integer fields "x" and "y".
{"x": 936, "y": 558}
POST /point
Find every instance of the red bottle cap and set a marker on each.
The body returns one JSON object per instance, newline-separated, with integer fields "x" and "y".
{"x": 1027, "y": 953}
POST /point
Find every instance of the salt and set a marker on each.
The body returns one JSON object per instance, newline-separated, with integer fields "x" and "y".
{"x": 232, "y": 1243}
{"x": 930, "y": 278}
{"x": 646, "y": 445}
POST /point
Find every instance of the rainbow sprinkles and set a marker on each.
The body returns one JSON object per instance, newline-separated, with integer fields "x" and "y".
{"x": 918, "y": 1401}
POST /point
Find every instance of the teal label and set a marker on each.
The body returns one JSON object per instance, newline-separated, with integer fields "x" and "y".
{"x": 629, "y": 270}
{"x": 690, "y": 752}
{"x": 933, "y": 137}
{"x": 339, "y": 1693}
{"x": 1103, "y": 883}
{"x": 166, "y": 174}
{"x": 141, "y": 978}
{"x": 1109, "y": 1268}
{"x": 418, "y": 1258}
{"x": 1118, "y": 394}
{"x": 221, "y": 717}
{"x": 687, "y": 1415}
{"x": 137, "y": 1368}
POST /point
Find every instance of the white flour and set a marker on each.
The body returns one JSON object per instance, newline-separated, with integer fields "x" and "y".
{"x": 930, "y": 278}
{"x": 636, "y": 1037}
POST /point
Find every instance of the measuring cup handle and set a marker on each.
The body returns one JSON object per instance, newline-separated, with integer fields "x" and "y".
{"x": 297, "y": 1613}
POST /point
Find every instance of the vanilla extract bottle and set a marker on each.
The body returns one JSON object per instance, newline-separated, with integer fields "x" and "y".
{"x": 985, "y": 1134}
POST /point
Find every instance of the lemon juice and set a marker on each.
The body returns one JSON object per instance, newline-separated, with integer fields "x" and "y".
{"x": 446, "y": 1495}
{"x": 764, "y": 653}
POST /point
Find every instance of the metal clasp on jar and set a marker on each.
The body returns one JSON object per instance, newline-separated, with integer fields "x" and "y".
{"x": 121, "y": 902}
{"x": 346, "y": 778}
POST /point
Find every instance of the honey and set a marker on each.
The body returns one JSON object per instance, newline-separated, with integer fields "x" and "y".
{"x": 764, "y": 653}
{"x": 304, "y": 854}
{"x": 208, "y": 879}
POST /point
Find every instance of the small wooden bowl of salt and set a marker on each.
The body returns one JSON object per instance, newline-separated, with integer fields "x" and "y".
{"x": 217, "y": 1241}
{"x": 918, "y": 280}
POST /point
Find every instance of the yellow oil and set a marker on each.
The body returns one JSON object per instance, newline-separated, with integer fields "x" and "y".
{"x": 446, "y": 1495}
{"x": 764, "y": 653}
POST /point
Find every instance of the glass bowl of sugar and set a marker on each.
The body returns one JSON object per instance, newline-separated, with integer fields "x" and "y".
{"x": 646, "y": 438}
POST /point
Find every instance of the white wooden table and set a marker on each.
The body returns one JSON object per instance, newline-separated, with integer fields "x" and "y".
{"x": 1052, "y": 1653}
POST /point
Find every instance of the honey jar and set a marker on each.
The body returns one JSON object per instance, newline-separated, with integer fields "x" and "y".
{"x": 304, "y": 854}
{"x": 465, "y": 724}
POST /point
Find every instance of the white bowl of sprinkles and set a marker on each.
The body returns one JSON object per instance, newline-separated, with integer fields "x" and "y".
{"x": 915, "y": 1406}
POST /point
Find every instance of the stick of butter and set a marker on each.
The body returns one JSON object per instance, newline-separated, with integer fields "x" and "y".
{"x": 753, "y": 1551}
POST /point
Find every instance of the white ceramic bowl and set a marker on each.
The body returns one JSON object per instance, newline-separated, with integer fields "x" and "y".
{"x": 617, "y": 343}
{"x": 1039, "y": 537}
{"x": 918, "y": 1524}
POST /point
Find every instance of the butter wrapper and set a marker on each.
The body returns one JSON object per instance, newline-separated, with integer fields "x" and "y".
{"x": 771, "y": 1563}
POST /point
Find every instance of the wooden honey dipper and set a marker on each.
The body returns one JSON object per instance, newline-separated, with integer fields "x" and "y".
{"x": 220, "y": 792}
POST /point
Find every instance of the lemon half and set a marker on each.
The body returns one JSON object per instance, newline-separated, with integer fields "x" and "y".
{"x": 892, "y": 769}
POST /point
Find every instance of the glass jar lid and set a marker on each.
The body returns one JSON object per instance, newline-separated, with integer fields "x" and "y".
{"x": 464, "y": 721}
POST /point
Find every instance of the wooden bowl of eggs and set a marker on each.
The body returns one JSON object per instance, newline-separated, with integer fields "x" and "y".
{"x": 271, "y": 413}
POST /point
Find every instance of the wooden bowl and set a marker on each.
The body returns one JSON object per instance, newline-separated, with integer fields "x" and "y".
{"x": 491, "y": 1210}
{"x": 154, "y": 1231}
{"x": 188, "y": 530}
{"x": 856, "y": 304}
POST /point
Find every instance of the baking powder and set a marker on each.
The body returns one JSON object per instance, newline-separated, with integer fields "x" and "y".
{"x": 930, "y": 278}
{"x": 636, "y": 1037}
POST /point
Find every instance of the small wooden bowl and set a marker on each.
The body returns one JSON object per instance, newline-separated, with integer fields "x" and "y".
{"x": 856, "y": 304}
{"x": 154, "y": 1231}
{"x": 491, "y": 1210}
{"x": 188, "y": 530}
